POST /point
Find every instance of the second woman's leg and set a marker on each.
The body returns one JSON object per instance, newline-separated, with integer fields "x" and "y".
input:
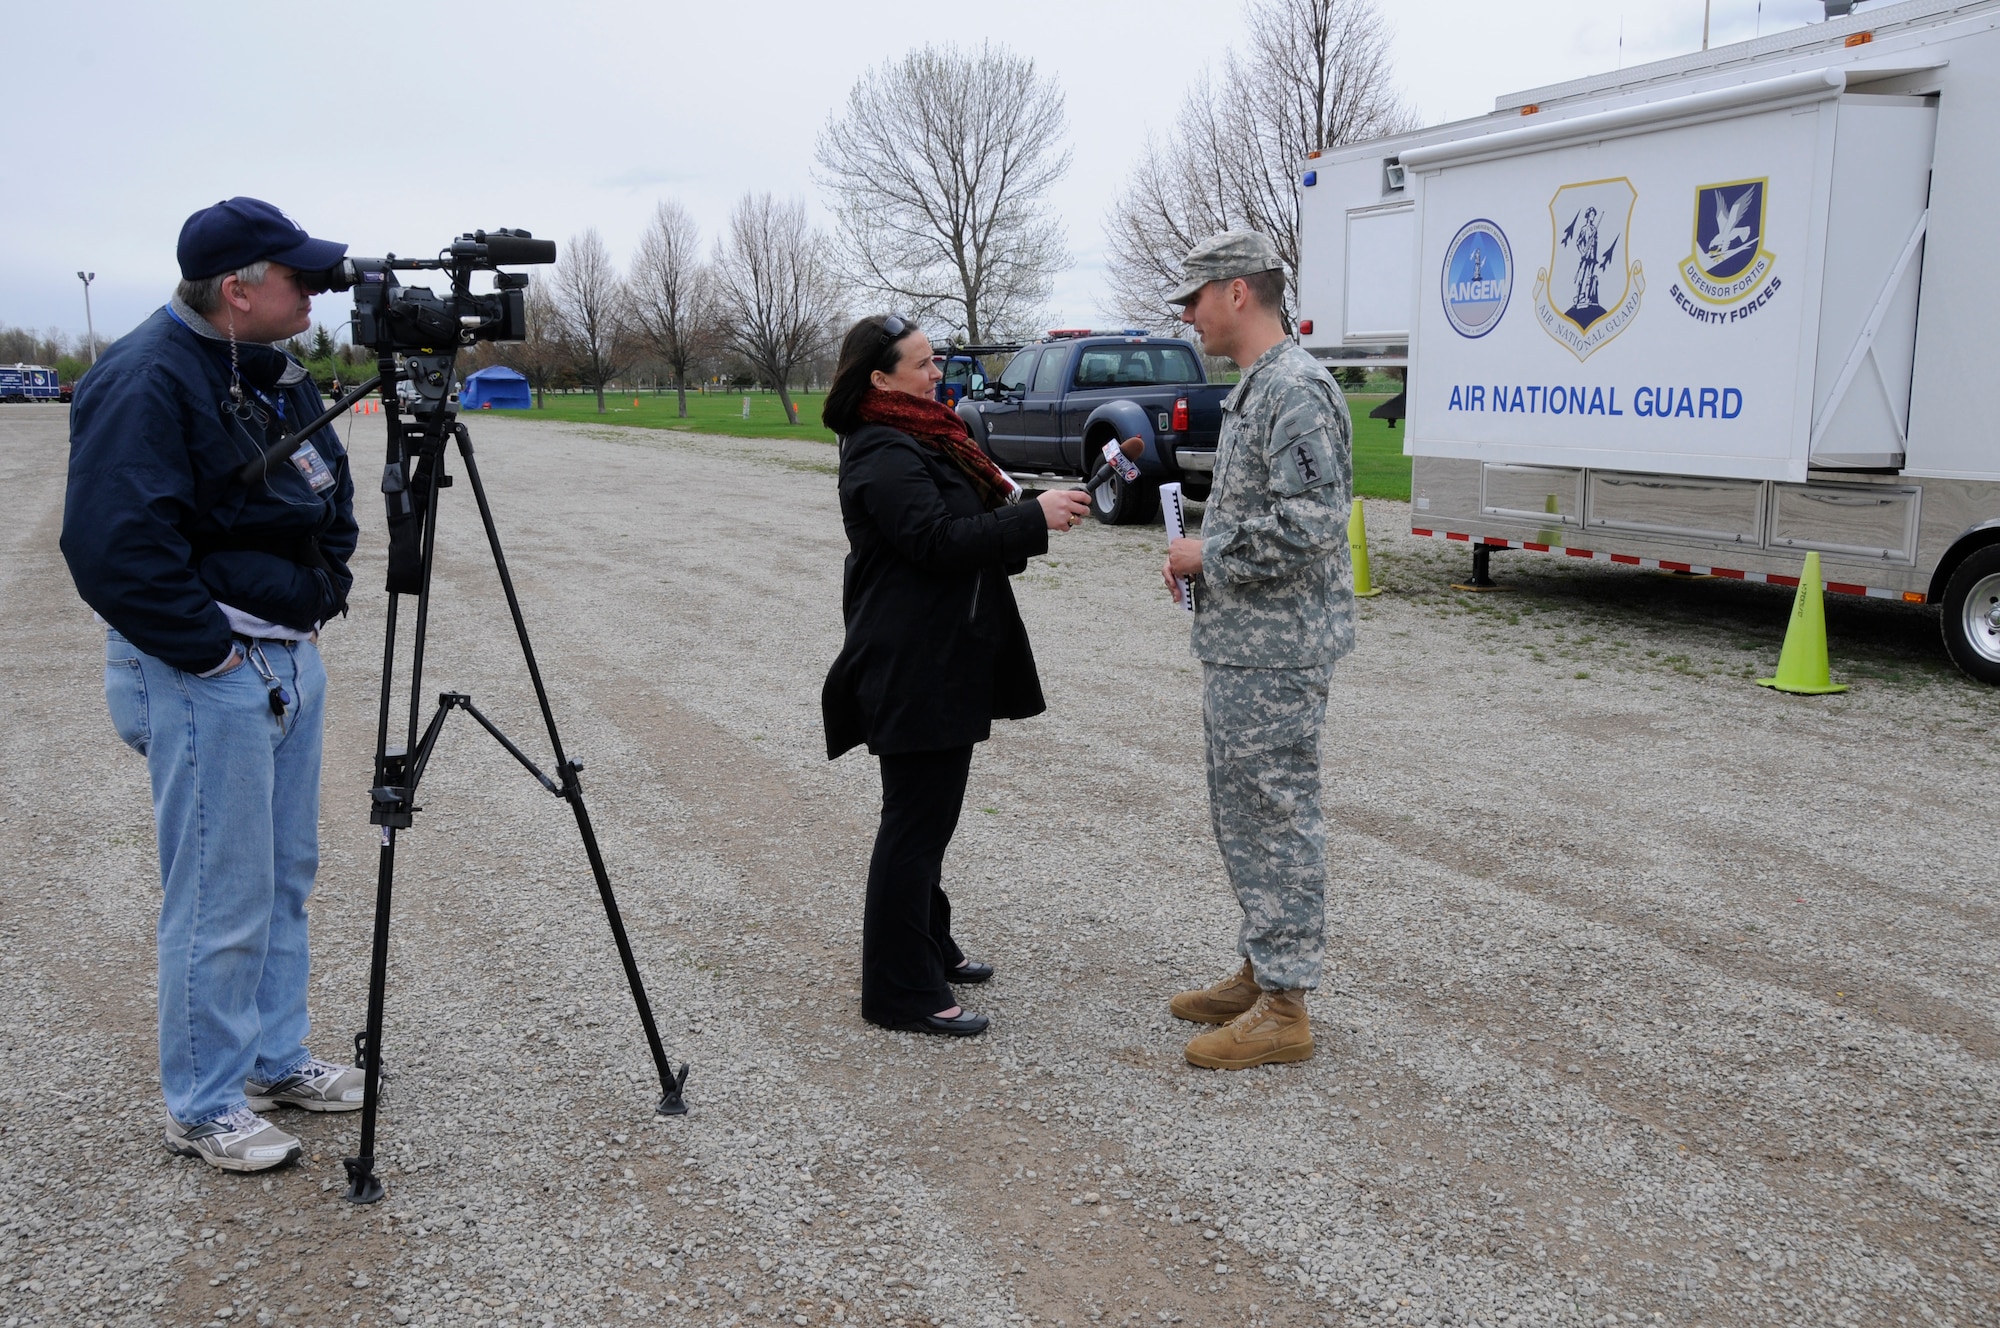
{"x": 903, "y": 963}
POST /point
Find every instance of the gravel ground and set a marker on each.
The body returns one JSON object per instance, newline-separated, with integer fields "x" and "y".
{"x": 1654, "y": 996}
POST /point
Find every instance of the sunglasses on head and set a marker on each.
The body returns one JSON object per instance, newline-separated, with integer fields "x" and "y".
{"x": 894, "y": 326}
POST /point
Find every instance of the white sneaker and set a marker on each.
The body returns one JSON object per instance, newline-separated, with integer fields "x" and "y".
{"x": 315, "y": 1086}
{"x": 239, "y": 1141}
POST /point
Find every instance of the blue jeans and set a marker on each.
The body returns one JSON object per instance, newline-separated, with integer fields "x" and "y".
{"x": 236, "y": 808}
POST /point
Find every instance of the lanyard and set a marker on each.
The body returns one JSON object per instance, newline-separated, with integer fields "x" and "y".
{"x": 236, "y": 379}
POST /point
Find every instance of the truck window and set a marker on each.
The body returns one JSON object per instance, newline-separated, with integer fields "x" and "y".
{"x": 1015, "y": 376}
{"x": 1136, "y": 366}
{"x": 1048, "y": 378}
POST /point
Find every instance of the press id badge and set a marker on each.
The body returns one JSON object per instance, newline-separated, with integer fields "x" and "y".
{"x": 313, "y": 466}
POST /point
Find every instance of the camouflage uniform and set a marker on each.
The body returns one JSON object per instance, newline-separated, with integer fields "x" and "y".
{"x": 1274, "y": 608}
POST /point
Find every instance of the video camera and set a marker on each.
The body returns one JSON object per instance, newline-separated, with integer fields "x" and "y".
{"x": 393, "y": 319}
{"x": 421, "y": 329}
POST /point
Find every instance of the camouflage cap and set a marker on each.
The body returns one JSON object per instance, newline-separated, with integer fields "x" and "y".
{"x": 1221, "y": 256}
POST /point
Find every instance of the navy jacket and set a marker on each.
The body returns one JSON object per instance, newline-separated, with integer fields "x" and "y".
{"x": 935, "y": 647}
{"x": 156, "y": 531}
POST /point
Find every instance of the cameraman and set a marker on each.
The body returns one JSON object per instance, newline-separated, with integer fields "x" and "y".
{"x": 214, "y": 594}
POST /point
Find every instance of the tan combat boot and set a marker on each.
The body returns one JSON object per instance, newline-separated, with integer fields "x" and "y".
{"x": 1273, "y": 1029}
{"x": 1222, "y": 1002}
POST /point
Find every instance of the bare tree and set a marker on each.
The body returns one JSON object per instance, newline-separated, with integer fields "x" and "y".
{"x": 589, "y": 303}
{"x": 776, "y": 291}
{"x": 673, "y": 294}
{"x": 940, "y": 169}
{"x": 1316, "y": 75}
{"x": 543, "y": 355}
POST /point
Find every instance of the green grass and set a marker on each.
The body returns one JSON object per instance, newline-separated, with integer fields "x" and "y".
{"x": 715, "y": 412}
{"x": 1380, "y": 468}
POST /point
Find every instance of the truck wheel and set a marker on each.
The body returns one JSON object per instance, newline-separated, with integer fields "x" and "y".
{"x": 1971, "y": 616}
{"x": 1117, "y": 503}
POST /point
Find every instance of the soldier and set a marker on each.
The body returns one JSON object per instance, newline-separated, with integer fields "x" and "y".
{"x": 1274, "y": 608}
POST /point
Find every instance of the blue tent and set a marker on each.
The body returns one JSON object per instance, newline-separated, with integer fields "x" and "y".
{"x": 497, "y": 388}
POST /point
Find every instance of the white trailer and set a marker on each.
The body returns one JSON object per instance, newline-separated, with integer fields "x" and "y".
{"x": 1707, "y": 315}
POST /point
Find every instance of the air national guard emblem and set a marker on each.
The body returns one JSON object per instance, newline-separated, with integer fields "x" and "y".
{"x": 1590, "y": 290}
{"x": 1478, "y": 278}
{"x": 1729, "y": 259}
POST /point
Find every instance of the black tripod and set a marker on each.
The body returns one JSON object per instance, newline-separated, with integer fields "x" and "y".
{"x": 411, "y": 481}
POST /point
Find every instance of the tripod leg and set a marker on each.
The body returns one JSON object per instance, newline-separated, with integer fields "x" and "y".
{"x": 363, "y": 1186}
{"x": 671, "y": 1101}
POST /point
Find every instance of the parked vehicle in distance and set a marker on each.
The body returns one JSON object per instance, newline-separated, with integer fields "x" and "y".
{"x": 960, "y": 369}
{"x": 29, "y": 382}
{"x": 1047, "y": 416}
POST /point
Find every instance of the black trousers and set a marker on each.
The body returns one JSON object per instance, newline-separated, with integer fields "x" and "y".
{"x": 906, "y": 945}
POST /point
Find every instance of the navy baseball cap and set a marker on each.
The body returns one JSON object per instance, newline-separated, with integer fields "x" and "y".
{"x": 240, "y": 231}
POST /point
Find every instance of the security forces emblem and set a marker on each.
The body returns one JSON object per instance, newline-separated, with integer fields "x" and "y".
{"x": 1590, "y": 290}
{"x": 1478, "y": 278}
{"x": 1729, "y": 259}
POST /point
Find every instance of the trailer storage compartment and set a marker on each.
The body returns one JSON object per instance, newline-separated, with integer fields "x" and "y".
{"x": 1723, "y": 284}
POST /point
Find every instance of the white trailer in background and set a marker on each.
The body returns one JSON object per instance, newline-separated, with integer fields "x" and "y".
{"x": 1708, "y": 314}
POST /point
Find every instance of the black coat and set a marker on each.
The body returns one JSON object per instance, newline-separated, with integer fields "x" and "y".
{"x": 935, "y": 647}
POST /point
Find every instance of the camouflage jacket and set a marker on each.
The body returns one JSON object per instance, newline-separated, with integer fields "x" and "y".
{"x": 1276, "y": 589}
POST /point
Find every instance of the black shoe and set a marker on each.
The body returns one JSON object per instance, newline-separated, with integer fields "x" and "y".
{"x": 969, "y": 973}
{"x": 965, "y": 1024}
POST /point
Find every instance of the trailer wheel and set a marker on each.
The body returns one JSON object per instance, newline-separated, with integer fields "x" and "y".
{"x": 1117, "y": 503}
{"x": 1971, "y": 616}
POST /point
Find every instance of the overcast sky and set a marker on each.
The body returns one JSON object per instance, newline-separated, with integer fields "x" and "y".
{"x": 394, "y": 126}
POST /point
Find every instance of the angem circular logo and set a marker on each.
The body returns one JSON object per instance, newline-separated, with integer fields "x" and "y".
{"x": 1478, "y": 277}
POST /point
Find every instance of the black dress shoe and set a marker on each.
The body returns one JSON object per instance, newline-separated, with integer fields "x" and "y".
{"x": 964, "y": 1024}
{"x": 969, "y": 972}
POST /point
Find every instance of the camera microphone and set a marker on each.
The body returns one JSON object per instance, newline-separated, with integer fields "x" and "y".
{"x": 1117, "y": 457}
{"x": 506, "y": 246}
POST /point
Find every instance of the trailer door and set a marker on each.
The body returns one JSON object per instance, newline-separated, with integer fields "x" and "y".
{"x": 1878, "y": 212}
{"x": 1379, "y": 281}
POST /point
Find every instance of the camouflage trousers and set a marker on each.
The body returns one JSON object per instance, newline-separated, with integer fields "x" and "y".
{"x": 1262, "y": 729}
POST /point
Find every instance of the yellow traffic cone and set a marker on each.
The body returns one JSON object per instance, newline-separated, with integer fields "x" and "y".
{"x": 1357, "y": 547}
{"x": 1802, "y": 665}
{"x": 1550, "y": 535}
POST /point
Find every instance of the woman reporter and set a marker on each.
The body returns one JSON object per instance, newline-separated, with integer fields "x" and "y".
{"x": 935, "y": 648}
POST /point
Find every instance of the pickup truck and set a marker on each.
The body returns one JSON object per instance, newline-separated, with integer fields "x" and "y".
{"x": 1046, "y": 418}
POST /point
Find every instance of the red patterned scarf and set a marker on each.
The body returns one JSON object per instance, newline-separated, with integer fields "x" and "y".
{"x": 937, "y": 425}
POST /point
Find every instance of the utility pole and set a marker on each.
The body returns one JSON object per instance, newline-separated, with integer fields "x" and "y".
{"x": 86, "y": 278}
{"x": 1706, "y": 6}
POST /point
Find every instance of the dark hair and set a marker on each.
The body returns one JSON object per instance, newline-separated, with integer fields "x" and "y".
{"x": 1268, "y": 289}
{"x": 869, "y": 345}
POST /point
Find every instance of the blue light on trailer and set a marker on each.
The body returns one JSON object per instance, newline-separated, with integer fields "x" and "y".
{"x": 1311, "y": 178}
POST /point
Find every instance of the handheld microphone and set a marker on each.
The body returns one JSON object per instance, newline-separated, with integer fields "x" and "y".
{"x": 1117, "y": 457}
